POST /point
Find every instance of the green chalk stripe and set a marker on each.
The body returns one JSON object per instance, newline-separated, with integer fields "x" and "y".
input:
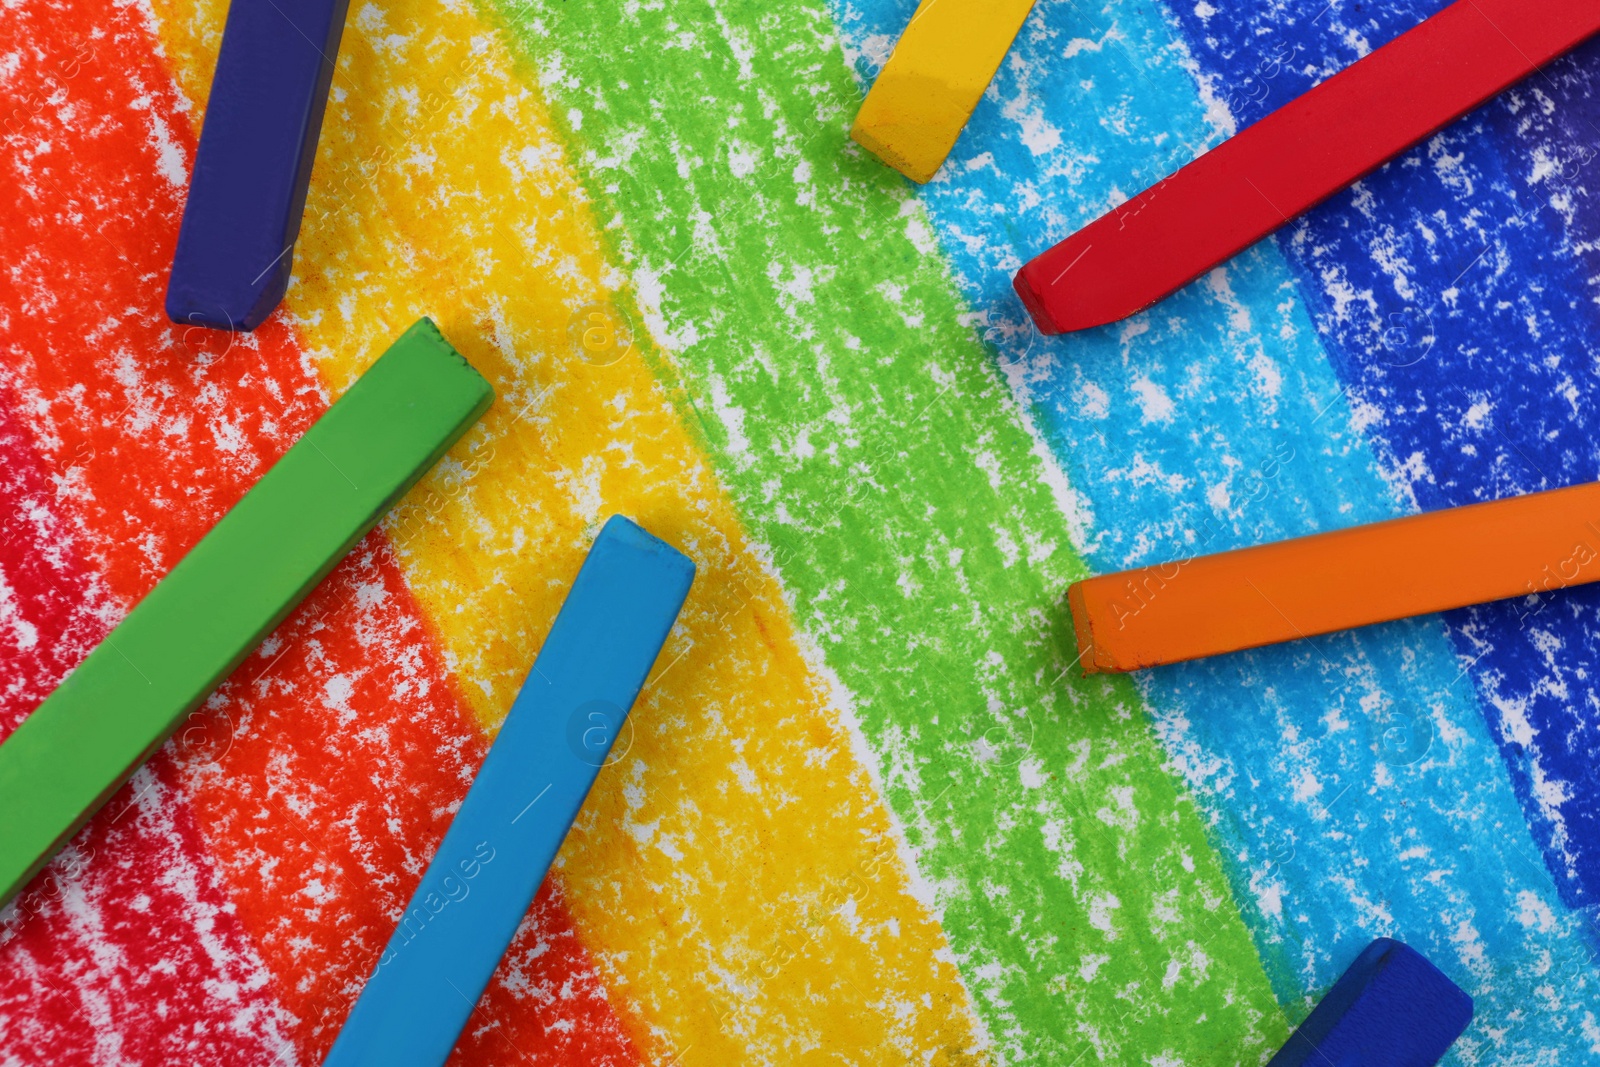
{"x": 229, "y": 592}
{"x": 870, "y": 444}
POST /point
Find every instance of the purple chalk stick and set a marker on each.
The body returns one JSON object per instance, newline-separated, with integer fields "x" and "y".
{"x": 1392, "y": 1008}
{"x": 236, "y": 245}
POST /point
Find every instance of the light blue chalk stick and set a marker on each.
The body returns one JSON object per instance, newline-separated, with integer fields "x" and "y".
{"x": 518, "y": 811}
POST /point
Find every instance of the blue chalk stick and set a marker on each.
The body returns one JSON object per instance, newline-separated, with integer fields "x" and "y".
{"x": 236, "y": 244}
{"x": 521, "y": 804}
{"x": 1391, "y": 1008}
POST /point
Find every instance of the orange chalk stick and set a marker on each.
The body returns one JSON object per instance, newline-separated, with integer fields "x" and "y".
{"x": 1209, "y": 605}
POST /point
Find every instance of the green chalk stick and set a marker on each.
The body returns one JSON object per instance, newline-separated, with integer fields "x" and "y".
{"x": 229, "y": 592}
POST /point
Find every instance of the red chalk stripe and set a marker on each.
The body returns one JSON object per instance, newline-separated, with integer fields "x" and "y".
{"x": 47, "y": 596}
{"x": 132, "y": 924}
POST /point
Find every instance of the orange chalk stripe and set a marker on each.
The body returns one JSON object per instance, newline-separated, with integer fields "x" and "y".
{"x": 1251, "y": 597}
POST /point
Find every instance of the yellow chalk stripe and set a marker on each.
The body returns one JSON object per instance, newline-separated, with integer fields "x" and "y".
{"x": 734, "y": 872}
{"x": 939, "y": 70}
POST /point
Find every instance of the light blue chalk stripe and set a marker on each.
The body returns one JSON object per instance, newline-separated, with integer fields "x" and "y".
{"x": 533, "y": 781}
{"x": 1352, "y": 782}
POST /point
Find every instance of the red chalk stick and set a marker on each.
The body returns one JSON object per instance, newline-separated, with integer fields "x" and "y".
{"x": 1299, "y": 155}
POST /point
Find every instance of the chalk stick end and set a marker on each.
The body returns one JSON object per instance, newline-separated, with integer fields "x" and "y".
{"x": 911, "y": 120}
{"x": 424, "y": 350}
{"x": 1391, "y": 1008}
{"x": 621, "y": 532}
{"x": 920, "y": 167}
{"x": 198, "y": 295}
{"x": 1034, "y": 302}
{"x": 1081, "y": 283}
{"x": 428, "y": 332}
{"x": 1091, "y": 658}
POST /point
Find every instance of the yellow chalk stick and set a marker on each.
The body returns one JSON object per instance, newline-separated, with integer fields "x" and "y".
{"x": 939, "y": 69}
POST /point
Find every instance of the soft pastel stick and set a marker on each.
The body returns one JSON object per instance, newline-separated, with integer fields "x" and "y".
{"x": 1299, "y": 155}
{"x": 1208, "y": 605}
{"x": 1392, "y": 1008}
{"x": 517, "y": 812}
{"x": 236, "y": 245}
{"x": 938, "y": 71}
{"x": 158, "y": 664}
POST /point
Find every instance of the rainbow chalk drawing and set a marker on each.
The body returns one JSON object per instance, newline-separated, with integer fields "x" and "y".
{"x": 802, "y": 957}
{"x": 1217, "y": 420}
{"x": 1003, "y": 863}
{"x": 1508, "y": 265}
{"x": 896, "y": 490}
{"x": 494, "y": 856}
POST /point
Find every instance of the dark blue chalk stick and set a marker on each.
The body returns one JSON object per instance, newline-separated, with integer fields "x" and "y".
{"x": 1392, "y": 1008}
{"x": 521, "y": 804}
{"x": 236, "y": 245}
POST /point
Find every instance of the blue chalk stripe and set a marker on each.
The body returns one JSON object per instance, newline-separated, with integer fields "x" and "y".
{"x": 241, "y": 218}
{"x": 514, "y": 818}
{"x": 1455, "y": 293}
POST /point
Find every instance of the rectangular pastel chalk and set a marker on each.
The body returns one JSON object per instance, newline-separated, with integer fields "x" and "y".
{"x": 1383, "y": 571}
{"x": 1307, "y": 150}
{"x": 1391, "y": 1008}
{"x": 242, "y": 216}
{"x": 522, "y": 802}
{"x": 201, "y": 620}
{"x": 939, "y": 69}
